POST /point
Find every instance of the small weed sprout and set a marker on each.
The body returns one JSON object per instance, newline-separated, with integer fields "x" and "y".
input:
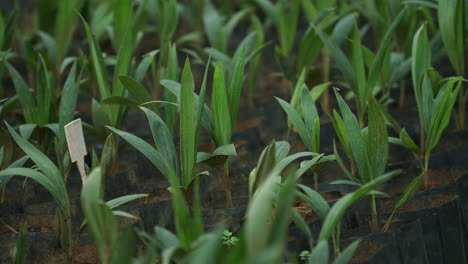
{"x": 228, "y": 239}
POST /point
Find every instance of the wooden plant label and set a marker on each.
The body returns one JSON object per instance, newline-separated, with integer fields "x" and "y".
{"x": 76, "y": 145}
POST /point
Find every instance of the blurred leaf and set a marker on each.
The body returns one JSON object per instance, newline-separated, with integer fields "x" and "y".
{"x": 320, "y": 254}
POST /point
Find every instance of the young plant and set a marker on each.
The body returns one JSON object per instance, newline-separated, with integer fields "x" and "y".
{"x": 367, "y": 148}
{"x": 229, "y": 240}
{"x": 354, "y": 68}
{"x": 331, "y": 221}
{"x": 220, "y": 121}
{"x": 109, "y": 114}
{"x": 18, "y": 252}
{"x": 269, "y": 209}
{"x": 434, "y": 112}
{"x": 180, "y": 172}
{"x": 217, "y": 28}
{"x": 284, "y": 15}
{"x": 454, "y": 30}
{"x": 36, "y": 111}
{"x": 7, "y": 26}
{"x": 274, "y": 159}
{"x": 307, "y": 123}
{"x": 112, "y": 245}
{"x": 50, "y": 177}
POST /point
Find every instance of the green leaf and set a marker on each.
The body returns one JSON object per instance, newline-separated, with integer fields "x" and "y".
{"x": 120, "y": 100}
{"x": 235, "y": 88}
{"x": 441, "y": 117}
{"x": 342, "y": 62}
{"x": 24, "y": 94}
{"x": 407, "y": 142}
{"x": 97, "y": 61}
{"x": 17, "y": 164}
{"x": 68, "y": 102}
{"x": 203, "y": 112}
{"x": 101, "y": 222}
{"x": 347, "y": 254}
{"x": 377, "y": 140}
{"x": 301, "y": 224}
{"x": 362, "y": 90}
{"x": 162, "y": 138}
{"x": 311, "y": 120}
{"x": 124, "y": 249}
{"x": 144, "y": 66}
{"x": 451, "y": 16}
{"x": 158, "y": 160}
{"x": 320, "y": 253}
{"x": 51, "y": 178}
{"x": 257, "y": 230}
{"x": 218, "y": 156}
{"x": 65, "y": 25}
{"x": 318, "y": 204}
{"x": 409, "y": 192}
{"x": 57, "y": 190}
{"x": 339, "y": 208}
{"x": 421, "y": 53}
{"x": 378, "y": 62}
{"x": 296, "y": 120}
{"x": 187, "y": 125}
{"x": 220, "y": 108}
{"x": 357, "y": 143}
{"x": 135, "y": 89}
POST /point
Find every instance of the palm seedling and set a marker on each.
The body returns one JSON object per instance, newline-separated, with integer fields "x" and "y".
{"x": 47, "y": 174}
{"x": 250, "y": 47}
{"x": 7, "y": 25}
{"x": 367, "y": 149}
{"x": 265, "y": 183}
{"x": 112, "y": 245}
{"x": 284, "y": 15}
{"x": 434, "y": 112}
{"x": 453, "y": 29}
{"x": 218, "y": 28}
{"x": 220, "y": 120}
{"x": 363, "y": 85}
{"x": 37, "y": 111}
{"x": 256, "y": 244}
{"x": 50, "y": 177}
{"x": 68, "y": 102}
{"x": 124, "y": 41}
{"x": 307, "y": 123}
{"x": 331, "y": 216}
{"x": 180, "y": 172}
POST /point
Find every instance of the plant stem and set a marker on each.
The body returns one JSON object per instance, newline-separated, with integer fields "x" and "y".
{"x": 69, "y": 247}
{"x": 425, "y": 172}
{"x": 401, "y": 102}
{"x": 461, "y": 111}
{"x": 316, "y": 180}
{"x": 336, "y": 240}
{"x": 326, "y": 78}
{"x": 227, "y": 184}
{"x": 374, "y": 226}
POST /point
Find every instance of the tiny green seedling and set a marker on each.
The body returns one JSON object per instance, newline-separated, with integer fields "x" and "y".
{"x": 229, "y": 240}
{"x": 76, "y": 145}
